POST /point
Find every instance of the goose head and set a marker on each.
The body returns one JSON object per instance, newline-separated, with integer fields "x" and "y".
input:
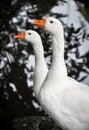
{"x": 29, "y": 36}
{"x": 52, "y": 25}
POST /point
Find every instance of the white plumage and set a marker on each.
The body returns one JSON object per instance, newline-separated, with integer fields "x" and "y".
{"x": 63, "y": 98}
{"x": 41, "y": 70}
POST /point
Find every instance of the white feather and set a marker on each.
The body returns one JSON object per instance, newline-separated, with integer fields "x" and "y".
{"x": 41, "y": 70}
{"x": 63, "y": 98}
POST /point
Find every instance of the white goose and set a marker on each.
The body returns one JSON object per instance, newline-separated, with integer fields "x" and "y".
{"x": 40, "y": 66}
{"x": 63, "y": 98}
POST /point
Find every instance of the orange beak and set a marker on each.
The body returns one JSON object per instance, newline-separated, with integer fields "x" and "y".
{"x": 40, "y": 23}
{"x": 20, "y": 36}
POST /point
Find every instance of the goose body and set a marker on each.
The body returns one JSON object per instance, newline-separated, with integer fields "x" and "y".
{"x": 63, "y": 98}
{"x": 41, "y": 70}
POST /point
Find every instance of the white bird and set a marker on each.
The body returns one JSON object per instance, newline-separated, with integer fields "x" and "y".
{"x": 40, "y": 66}
{"x": 63, "y": 98}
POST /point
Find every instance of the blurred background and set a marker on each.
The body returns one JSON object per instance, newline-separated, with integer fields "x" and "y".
{"x": 17, "y": 63}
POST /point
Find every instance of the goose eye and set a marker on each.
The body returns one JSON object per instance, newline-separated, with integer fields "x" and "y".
{"x": 51, "y": 21}
{"x": 29, "y": 33}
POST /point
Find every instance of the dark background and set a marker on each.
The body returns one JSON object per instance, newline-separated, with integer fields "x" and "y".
{"x": 13, "y": 60}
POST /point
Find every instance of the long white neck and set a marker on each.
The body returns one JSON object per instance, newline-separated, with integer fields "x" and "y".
{"x": 58, "y": 69}
{"x": 40, "y": 68}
